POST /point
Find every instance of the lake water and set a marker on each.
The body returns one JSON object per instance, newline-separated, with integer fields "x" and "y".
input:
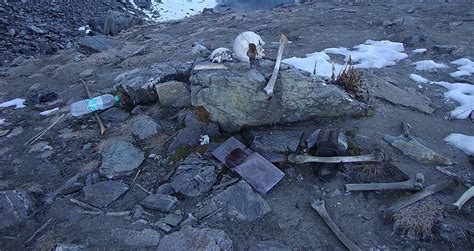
{"x": 166, "y": 10}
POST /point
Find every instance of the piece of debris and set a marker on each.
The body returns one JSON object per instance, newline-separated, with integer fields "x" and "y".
{"x": 204, "y": 140}
{"x": 18, "y": 103}
{"x": 15, "y": 206}
{"x": 465, "y": 197}
{"x": 255, "y": 169}
{"x": 102, "y": 194}
{"x": 196, "y": 239}
{"x": 404, "y": 202}
{"x": 241, "y": 202}
{"x": 271, "y": 83}
{"x": 220, "y": 54}
{"x": 248, "y": 45}
{"x": 194, "y": 176}
{"x": 120, "y": 158}
{"x": 411, "y": 147}
{"x": 319, "y": 206}
{"x": 144, "y": 127}
{"x": 160, "y": 202}
{"x": 415, "y": 183}
{"x": 143, "y": 238}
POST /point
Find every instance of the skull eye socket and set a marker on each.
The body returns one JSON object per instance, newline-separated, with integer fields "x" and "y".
{"x": 252, "y": 52}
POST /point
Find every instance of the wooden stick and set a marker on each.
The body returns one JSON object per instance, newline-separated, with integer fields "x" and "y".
{"x": 37, "y": 232}
{"x": 96, "y": 114}
{"x": 318, "y": 205}
{"x": 39, "y": 135}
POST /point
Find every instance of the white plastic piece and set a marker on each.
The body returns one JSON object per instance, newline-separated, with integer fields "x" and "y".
{"x": 248, "y": 45}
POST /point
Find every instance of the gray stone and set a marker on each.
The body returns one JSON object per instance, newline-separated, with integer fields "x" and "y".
{"x": 172, "y": 219}
{"x": 103, "y": 193}
{"x": 115, "y": 114}
{"x": 166, "y": 188}
{"x": 143, "y": 127}
{"x": 86, "y": 73}
{"x": 196, "y": 239}
{"x": 268, "y": 246}
{"x": 445, "y": 49}
{"x": 120, "y": 158}
{"x": 173, "y": 94}
{"x": 138, "y": 212}
{"x": 235, "y": 98}
{"x": 139, "y": 84}
{"x": 69, "y": 247}
{"x": 163, "y": 226}
{"x": 194, "y": 176}
{"x": 242, "y": 202}
{"x": 114, "y": 22}
{"x": 94, "y": 44}
{"x": 275, "y": 145}
{"x": 15, "y": 206}
{"x": 143, "y": 238}
{"x": 410, "y": 97}
{"x": 160, "y": 202}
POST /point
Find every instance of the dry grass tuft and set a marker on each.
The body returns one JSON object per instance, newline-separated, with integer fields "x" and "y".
{"x": 373, "y": 170}
{"x": 418, "y": 220}
{"x": 351, "y": 80}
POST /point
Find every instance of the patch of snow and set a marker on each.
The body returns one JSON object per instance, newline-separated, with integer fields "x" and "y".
{"x": 428, "y": 65}
{"x": 18, "y": 103}
{"x": 417, "y": 78}
{"x": 420, "y": 50}
{"x": 465, "y": 68}
{"x": 48, "y": 112}
{"x": 462, "y": 93}
{"x": 371, "y": 54}
{"x": 2, "y": 121}
{"x": 173, "y": 10}
{"x": 462, "y": 142}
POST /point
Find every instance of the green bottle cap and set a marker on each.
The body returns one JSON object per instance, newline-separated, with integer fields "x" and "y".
{"x": 116, "y": 98}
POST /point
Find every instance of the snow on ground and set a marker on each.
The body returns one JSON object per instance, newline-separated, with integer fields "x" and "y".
{"x": 465, "y": 68}
{"x": 371, "y": 54}
{"x": 428, "y": 65}
{"x": 18, "y": 103}
{"x": 419, "y": 79}
{"x": 420, "y": 50}
{"x": 173, "y": 10}
{"x": 48, "y": 112}
{"x": 462, "y": 142}
{"x": 2, "y": 121}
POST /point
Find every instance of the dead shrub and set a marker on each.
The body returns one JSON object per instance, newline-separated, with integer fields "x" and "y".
{"x": 350, "y": 80}
{"x": 373, "y": 171}
{"x": 418, "y": 220}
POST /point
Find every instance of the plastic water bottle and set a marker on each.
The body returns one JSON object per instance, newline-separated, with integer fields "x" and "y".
{"x": 85, "y": 106}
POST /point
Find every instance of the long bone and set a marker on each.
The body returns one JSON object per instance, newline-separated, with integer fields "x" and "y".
{"x": 465, "y": 197}
{"x": 376, "y": 156}
{"x": 271, "y": 83}
{"x": 415, "y": 183}
{"x": 318, "y": 205}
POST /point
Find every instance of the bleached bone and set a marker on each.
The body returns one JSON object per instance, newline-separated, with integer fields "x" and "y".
{"x": 248, "y": 45}
{"x": 271, "y": 83}
{"x": 465, "y": 197}
{"x": 318, "y": 205}
{"x": 376, "y": 156}
{"x": 221, "y": 54}
{"x": 415, "y": 183}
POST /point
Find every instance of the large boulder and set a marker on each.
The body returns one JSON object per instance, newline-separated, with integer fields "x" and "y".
{"x": 139, "y": 84}
{"x": 235, "y": 97}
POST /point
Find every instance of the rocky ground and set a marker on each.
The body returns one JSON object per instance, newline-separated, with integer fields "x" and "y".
{"x": 149, "y": 183}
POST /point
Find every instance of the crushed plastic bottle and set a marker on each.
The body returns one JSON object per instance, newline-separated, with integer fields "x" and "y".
{"x": 86, "y": 106}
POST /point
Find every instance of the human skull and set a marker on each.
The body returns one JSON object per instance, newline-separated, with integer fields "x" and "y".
{"x": 221, "y": 54}
{"x": 248, "y": 45}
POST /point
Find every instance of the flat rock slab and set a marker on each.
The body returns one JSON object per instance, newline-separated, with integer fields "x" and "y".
{"x": 194, "y": 176}
{"x": 173, "y": 94}
{"x": 268, "y": 246}
{"x": 140, "y": 84}
{"x": 160, "y": 202}
{"x": 196, "y": 239}
{"x": 15, "y": 206}
{"x": 410, "y": 97}
{"x": 120, "y": 158}
{"x": 275, "y": 145}
{"x": 143, "y": 127}
{"x": 143, "y": 238}
{"x": 241, "y": 202}
{"x": 93, "y": 44}
{"x": 103, "y": 193}
{"x": 114, "y": 114}
{"x": 235, "y": 98}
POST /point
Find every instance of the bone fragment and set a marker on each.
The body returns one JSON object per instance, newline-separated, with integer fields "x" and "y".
{"x": 376, "y": 156}
{"x": 465, "y": 197}
{"x": 437, "y": 187}
{"x": 318, "y": 205}
{"x": 415, "y": 183}
{"x": 210, "y": 66}
{"x": 271, "y": 83}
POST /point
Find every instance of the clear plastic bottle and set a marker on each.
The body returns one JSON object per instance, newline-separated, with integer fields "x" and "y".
{"x": 85, "y": 106}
